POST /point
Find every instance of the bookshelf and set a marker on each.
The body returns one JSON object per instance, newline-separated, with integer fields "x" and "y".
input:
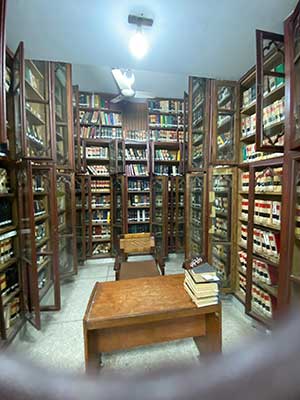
{"x": 61, "y": 73}
{"x": 224, "y": 122}
{"x": 12, "y": 314}
{"x": 221, "y": 228}
{"x": 198, "y": 117}
{"x": 167, "y": 158}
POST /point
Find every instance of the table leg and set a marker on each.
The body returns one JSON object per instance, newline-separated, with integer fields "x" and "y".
{"x": 211, "y": 343}
{"x": 93, "y": 358}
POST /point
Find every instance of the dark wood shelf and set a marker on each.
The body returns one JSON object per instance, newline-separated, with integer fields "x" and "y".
{"x": 8, "y": 263}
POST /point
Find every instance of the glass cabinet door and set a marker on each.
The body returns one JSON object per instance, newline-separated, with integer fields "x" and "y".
{"x": 63, "y": 123}
{"x": 118, "y": 209}
{"x": 76, "y": 128}
{"x": 179, "y": 220}
{"x": 38, "y": 137}
{"x": 195, "y": 219}
{"x": 270, "y": 89}
{"x": 292, "y": 40}
{"x": 222, "y": 192}
{"x": 66, "y": 224}
{"x": 225, "y": 123}
{"x": 18, "y": 99}
{"x": 198, "y": 122}
{"x": 81, "y": 183}
{"x": 295, "y": 267}
{"x": 160, "y": 214}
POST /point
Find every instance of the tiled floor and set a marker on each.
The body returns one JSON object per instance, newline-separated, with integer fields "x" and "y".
{"x": 60, "y": 342}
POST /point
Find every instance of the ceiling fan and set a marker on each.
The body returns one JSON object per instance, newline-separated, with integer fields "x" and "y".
{"x": 125, "y": 79}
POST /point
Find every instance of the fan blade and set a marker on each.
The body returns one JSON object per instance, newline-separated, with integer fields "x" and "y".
{"x": 117, "y": 99}
{"x": 121, "y": 81}
{"x": 139, "y": 94}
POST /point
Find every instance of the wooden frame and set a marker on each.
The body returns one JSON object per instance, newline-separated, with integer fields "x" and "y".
{"x": 118, "y": 228}
{"x": 261, "y": 70}
{"x": 215, "y": 112}
{"x": 69, "y": 137}
{"x": 3, "y": 134}
{"x": 161, "y": 225}
{"x": 188, "y": 215}
{"x": 70, "y": 222}
{"x": 231, "y": 196}
{"x": 179, "y": 191}
{"x": 206, "y": 128}
{"x": 81, "y": 183}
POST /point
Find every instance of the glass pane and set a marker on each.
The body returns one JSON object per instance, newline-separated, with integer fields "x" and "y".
{"x": 273, "y": 93}
{"x": 17, "y": 104}
{"x": 225, "y": 140}
{"x": 196, "y": 224}
{"x": 61, "y": 115}
{"x": 138, "y": 205}
{"x": 198, "y": 121}
{"x": 296, "y": 86}
{"x": 80, "y": 216}
{"x": 296, "y": 251}
{"x": 158, "y": 206}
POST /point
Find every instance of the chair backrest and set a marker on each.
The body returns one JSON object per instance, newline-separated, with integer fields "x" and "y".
{"x": 137, "y": 243}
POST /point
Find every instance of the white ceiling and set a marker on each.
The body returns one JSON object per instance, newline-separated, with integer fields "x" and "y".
{"x": 213, "y": 38}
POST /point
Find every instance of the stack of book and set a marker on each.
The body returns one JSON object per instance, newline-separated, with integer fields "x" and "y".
{"x": 202, "y": 284}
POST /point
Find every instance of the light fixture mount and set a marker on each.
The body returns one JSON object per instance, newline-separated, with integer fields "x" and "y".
{"x": 139, "y": 20}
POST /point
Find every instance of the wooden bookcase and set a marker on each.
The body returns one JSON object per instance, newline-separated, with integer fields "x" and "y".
{"x": 221, "y": 227}
{"x": 159, "y": 223}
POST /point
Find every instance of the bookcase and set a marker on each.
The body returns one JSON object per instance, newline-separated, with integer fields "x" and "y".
{"x": 221, "y": 227}
{"x": 38, "y": 238}
{"x": 11, "y": 300}
{"x": 195, "y": 215}
{"x": 167, "y": 158}
{"x": 224, "y": 141}
{"x": 81, "y": 200}
{"x": 199, "y": 123}
{"x": 159, "y": 225}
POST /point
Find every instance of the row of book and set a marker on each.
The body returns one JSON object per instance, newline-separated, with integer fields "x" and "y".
{"x": 269, "y": 180}
{"x": 248, "y": 125}
{"x": 163, "y": 120}
{"x": 249, "y": 96}
{"x": 39, "y": 183}
{"x": 273, "y": 113}
{"x": 202, "y": 284}
{"x": 266, "y": 212}
{"x": 6, "y": 212}
{"x": 11, "y": 311}
{"x": 9, "y": 281}
{"x": 89, "y": 117}
{"x": 98, "y": 170}
{"x": 136, "y": 135}
{"x": 265, "y": 243}
{"x": 100, "y": 185}
{"x": 138, "y": 215}
{"x": 166, "y": 170}
{"x": 97, "y": 152}
{"x": 39, "y": 207}
{"x": 6, "y": 249}
{"x": 221, "y": 204}
{"x": 250, "y": 154}
{"x": 226, "y": 98}
{"x": 138, "y": 200}
{"x": 297, "y": 220}
{"x": 220, "y": 228}
{"x": 164, "y": 135}
{"x": 242, "y": 284}
{"x": 271, "y": 83}
{"x": 136, "y": 170}
{"x": 34, "y": 80}
{"x": 173, "y": 106}
{"x": 221, "y": 261}
{"x": 101, "y": 249}
{"x": 197, "y": 153}
{"x": 197, "y": 117}
{"x": 135, "y": 154}
{"x": 92, "y": 101}
{"x": 101, "y": 232}
{"x": 139, "y": 228}
{"x": 102, "y": 200}
{"x": 167, "y": 155}
{"x": 138, "y": 185}
{"x": 110, "y": 118}
{"x": 96, "y": 132}
{"x": 223, "y": 119}
{"x": 40, "y": 231}
{"x": 34, "y": 133}
{"x": 262, "y": 302}
{"x": 101, "y": 216}
{"x": 261, "y": 271}
{"x": 4, "y": 181}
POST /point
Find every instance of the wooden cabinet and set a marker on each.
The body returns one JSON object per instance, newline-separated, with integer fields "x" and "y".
{"x": 38, "y": 238}
{"x": 196, "y": 215}
{"x": 199, "y": 123}
{"x": 222, "y": 218}
{"x": 225, "y": 103}
{"x": 66, "y": 209}
{"x": 270, "y": 89}
{"x": 62, "y": 82}
{"x": 160, "y": 214}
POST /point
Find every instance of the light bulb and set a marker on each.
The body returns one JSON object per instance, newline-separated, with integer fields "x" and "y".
{"x": 138, "y": 44}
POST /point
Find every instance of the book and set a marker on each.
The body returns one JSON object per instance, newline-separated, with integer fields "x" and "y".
{"x": 203, "y": 273}
{"x": 201, "y": 302}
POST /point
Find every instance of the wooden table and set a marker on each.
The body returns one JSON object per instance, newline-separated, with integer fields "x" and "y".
{"x": 137, "y": 312}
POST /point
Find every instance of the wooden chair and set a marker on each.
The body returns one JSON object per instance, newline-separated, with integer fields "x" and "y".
{"x": 137, "y": 244}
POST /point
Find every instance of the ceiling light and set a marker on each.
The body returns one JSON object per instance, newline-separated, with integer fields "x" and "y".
{"x": 138, "y": 44}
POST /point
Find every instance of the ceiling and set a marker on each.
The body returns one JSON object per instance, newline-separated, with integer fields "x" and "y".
{"x": 212, "y": 38}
